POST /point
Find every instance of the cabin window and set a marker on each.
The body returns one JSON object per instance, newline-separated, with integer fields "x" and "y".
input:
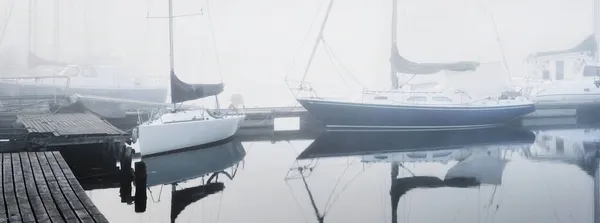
{"x": 417, "y": 98}
{"x": 89, "y": 72}
{"x": 72, "y": 72}
{"x": 417, "y": 155}
{"x": 591, "y": 71}
{"x": 440, "y": 98}
{"x": 560, "y": 146}
{"x": 438, "y": 155}
{"x": 560, "y": 70}
{"x": 546, "y": 74}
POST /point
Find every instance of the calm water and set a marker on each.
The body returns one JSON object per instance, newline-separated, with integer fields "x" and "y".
{"x": 498, "y": 175}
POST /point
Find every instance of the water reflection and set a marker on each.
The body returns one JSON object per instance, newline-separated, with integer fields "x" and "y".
{"x": 479, "y": 154}
{"x": 172, "y": 169}
{"x": 477, "y": 158}
{"x": 493, "y": 175}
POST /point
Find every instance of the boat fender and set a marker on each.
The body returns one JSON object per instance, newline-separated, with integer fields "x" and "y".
{"x": 134, "y": 135}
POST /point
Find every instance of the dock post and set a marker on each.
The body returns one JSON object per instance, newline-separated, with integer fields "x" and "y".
{"x": 140, "y": 187}
{"x": 126, "y": 180}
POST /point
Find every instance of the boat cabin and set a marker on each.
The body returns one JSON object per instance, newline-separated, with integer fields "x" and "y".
{"x": 564, "y": 64}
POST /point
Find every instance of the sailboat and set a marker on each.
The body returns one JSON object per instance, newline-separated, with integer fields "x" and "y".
{"x": 398, "y": 109}
{"x": 108, "y": 80}
{"x": 569, "y": 76}
{"x": 181, "y": 128}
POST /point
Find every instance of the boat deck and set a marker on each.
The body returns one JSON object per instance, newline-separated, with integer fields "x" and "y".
{"x": 40, "y": 187}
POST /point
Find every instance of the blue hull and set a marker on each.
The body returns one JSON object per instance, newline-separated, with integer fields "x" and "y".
{"x": 394, "y": 117}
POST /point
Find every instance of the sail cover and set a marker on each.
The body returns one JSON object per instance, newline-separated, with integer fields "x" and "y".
{"x": 181, "y": 91}
{"x": 587, "y": 45}
{"x": 402, "y": 65}
{"x": 34, "y": 60}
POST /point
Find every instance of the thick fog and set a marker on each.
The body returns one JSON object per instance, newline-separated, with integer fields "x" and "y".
{"x": 258, "y": 41}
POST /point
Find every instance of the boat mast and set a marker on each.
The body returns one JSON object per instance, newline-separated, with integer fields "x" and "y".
{"x": 597, "y": 30}
{"x": 30, "y": 42}
{"x": 171, "y": 50}
{"x": 393, "y": 43}
{"x": 56, "y": 28}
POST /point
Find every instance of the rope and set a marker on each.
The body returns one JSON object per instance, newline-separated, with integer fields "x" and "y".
{"x": 293, "y": 106}
{"x": 328, "y": 48}
{"x": 331, "y": 59}
{"x": 214, "y": 40}
{"x": 304, "y": 40}
{"x": 6, "y": 20}
{"x": 327, "y": 208}
{"x": 504, "y": 62}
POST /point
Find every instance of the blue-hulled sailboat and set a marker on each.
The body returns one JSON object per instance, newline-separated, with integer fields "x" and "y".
{"x": 409, "y": 109}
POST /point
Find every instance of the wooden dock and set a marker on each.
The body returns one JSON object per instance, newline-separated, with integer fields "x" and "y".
{"x": 56, "y": 129}
{"x": 40, "y": 187}
{"x": 69, "y": 124}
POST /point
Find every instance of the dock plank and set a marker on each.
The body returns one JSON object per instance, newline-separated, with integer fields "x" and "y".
{"x": 39, "y": 211}
{"x": 60, "y": 200}
{"x": 3, "y": 216}
{"x": 40, "y": 187}
{"x": 65, "y": 187}
{"x": 44, "y": 190}
{"x": 20, "y": 190}
{"x": 9, "y": 189}
{"x": 85, "y": 200}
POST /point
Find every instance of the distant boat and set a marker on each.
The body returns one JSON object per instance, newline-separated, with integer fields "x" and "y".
{"x": 410, "y": 110}
{"x": 182, "y": 128}
{"x": 570, "y": 76}
{"x": 93, "y": 80}
{"x": 84, "y": 79}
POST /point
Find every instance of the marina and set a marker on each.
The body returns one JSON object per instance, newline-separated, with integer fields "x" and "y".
{"x": 118, "y": 111}
{"x": 24, "y": 127}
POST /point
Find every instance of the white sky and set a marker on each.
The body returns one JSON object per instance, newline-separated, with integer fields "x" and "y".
{"x": 258, "y": 40}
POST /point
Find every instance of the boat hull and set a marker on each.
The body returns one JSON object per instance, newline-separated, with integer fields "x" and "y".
{"x": 348, "y": 115}
{"x": 163, "y": 138}
{"x": 568, "y": 99}
{"x": 158, "y": 95}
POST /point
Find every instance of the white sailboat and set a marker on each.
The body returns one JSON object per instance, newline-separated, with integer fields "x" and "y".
{"x": 567, "y": 76}
{"x": 181, "y": 128}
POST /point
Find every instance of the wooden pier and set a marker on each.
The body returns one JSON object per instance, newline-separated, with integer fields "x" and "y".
{"x": 40, "y": 187}
{"x": 30, "y": 131}
{"x": 55, "y": 129}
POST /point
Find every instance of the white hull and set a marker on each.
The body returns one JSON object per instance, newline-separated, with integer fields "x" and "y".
{"x": 566, "y": 98}
{"x": 177, "y": 131}
{"x": 564, "y": 92}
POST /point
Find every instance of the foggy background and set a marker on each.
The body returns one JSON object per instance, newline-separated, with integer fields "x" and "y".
{"x": 259, "y": 40}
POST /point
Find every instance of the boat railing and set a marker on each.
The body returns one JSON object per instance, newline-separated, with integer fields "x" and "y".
{"x": 299, "y": 87}
{"x": 19, "y": 79}
{"x": 141, "y": 80}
